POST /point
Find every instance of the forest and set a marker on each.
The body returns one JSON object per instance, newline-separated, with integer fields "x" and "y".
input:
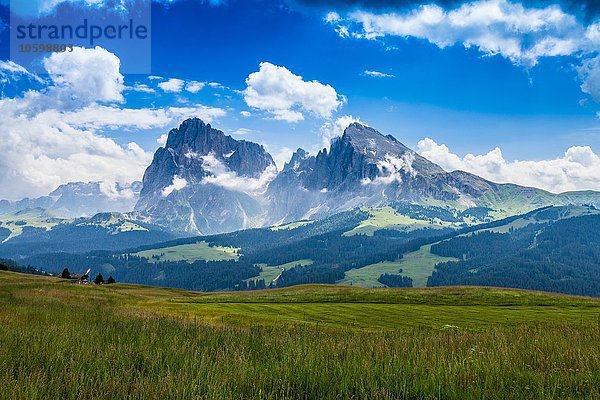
{"x": 562, "y": 256}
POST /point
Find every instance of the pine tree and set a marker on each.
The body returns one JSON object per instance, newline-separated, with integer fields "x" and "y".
{"x": 65, "y": 274}
{"x": 111, "y": 280}
{"x": 99, "y": 279}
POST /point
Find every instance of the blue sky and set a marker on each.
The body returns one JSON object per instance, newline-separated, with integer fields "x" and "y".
{"x": 526, "y": 90}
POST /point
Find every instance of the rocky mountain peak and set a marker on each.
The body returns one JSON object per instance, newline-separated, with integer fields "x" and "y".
{"x": 369, "y": 141}
{"x": 196, "y": 181}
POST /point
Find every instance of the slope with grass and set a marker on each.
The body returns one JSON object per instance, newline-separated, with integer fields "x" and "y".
{"x": 270, "y": 273}
{"x": 190, "y": 253}
{"x": 61, "y": 340}
{"x": 417, "y": 265}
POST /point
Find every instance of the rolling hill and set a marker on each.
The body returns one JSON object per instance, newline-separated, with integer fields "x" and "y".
{"x": 359, "y": 248}
{"x": 122, "y": 341}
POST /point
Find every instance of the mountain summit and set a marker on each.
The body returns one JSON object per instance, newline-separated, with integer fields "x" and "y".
{"x": 195, "y": 182}
{"x": 203, "y": 181}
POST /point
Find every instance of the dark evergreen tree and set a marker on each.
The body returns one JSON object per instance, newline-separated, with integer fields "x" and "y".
{"x": 99, "y": 279}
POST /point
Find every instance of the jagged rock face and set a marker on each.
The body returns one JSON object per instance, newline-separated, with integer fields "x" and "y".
{"x": 191, "y": 184}
{"x": 196, "y": 182}
{"x": 362, "y": 168}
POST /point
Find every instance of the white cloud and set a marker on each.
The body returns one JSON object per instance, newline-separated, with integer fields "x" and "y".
{"x": 332, "y": 129}
{"x": 155, "y": 77}
{"x": 9, "y": 70}
{"x": 245, "y": 114}
{"x": 589, "y": 73}
{"x": 392, "y": 168}
{"x": 377, "y": 74}
{"x": 502, "y": 27}
{"x": 86, "y": 75}
{"x": 282, "y": 156}
{"x": 242, "y": 131}
{"x": 216, "y": 85}
{"x": 332, "y": 17}
{"x": 103, "y": 117}
{"x": 162, "y": 140}
{"x": 577, "y": 169}
{"x": 177, "y": 184}
{"x": 194, "y": 86}
{"x": 173, "y": 85}
{"x": 222, "y": 176}
{"x": 286, "y": 96}
{"x": 141, "y": 87}
{"x": 49, "y": 139}
{"x": 40, "y": 152}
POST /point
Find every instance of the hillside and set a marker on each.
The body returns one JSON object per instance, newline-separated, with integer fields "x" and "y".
{"x": 364, "y": 247}
{"x": 136, "y": 341}
{"x": 35, "y": 230}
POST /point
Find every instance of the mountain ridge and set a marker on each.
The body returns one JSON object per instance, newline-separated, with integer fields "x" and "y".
{"x": 200, "y": 182}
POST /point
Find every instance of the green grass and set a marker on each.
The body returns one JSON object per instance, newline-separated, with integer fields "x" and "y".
{"x": 60, "y": 340}
{"x": 387, "y": 217}
{"x": 33, "y": 217}
{"x": 418, "y": 265}
{"x": 269, "y": 272}
{"x": 191, "y": 253}
{"x": 292, "y": 225}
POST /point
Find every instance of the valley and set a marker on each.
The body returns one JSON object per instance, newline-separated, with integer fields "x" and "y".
{"x": 368, "y": 212}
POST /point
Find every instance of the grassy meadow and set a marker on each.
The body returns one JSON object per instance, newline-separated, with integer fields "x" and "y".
{"x": 190, "y": 253}
{"x": 418, "y": 265}
{"x": 59, "y": 340}
{"x": 270, "y": 273}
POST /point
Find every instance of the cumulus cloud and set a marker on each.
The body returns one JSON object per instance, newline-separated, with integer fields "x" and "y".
{"x": 10, "y": 70}
{"x": 220, "y": 175}
{"x": 245, "y": 114}
{"x": 177, "y": 184}
{"x": 173, "y": 85}
{"x": 194, "y": 86}
{"x": 287, "y": 97}
{"x": 141, "y": 87}
{"x": 589, "y": 73}
{"x": 86, "y": 74}
{"x": 502, "y": 27}
{"x": 377, "y": 74}
{"x": 333, "y": 129}
{"x": 392, "y": 168}
{"x": 55, "y": 135}
{"x": 577, "y": 169}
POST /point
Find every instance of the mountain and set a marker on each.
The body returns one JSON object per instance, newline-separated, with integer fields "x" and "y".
{"x": 80, "y": 199}
{"x": 205, "y": 182}
{"x": 198, "y": 181}
{"x": 77, "y": 199}
{"x": 365, "y": 168}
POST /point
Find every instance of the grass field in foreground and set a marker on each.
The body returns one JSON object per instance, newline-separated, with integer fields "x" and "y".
{"x": 190, "y": 253}
{"x": 59, "y": 340}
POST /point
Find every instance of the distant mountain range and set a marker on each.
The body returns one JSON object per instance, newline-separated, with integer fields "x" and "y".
{"x": 204, "y": 182}
{"x": 80, "y": 199}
